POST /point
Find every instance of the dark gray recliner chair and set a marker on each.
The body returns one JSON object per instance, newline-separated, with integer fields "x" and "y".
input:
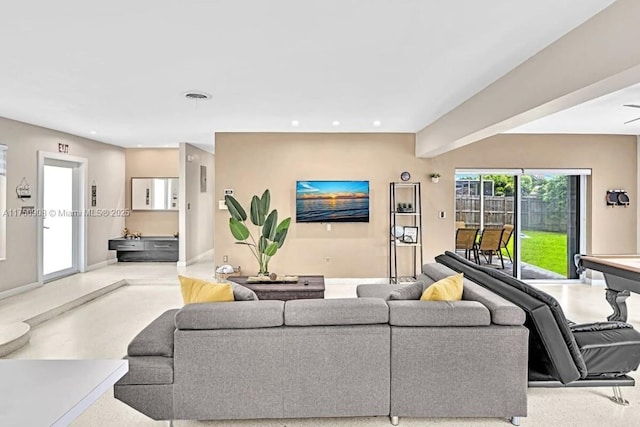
{"x": 561, "y": 353}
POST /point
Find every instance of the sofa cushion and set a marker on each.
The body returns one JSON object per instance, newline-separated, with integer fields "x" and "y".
{"x": 375, "y": 290}
{"x": 198, "y": 290}
{"x": 239, "y": 315}
{"x": 447, "y": 289}
{"x": 339, "y": 311}
{"x": 438, "y": 313}
{"x": 148, "y": 370}
{"x": 502, "y": 311}
{"x": 156, "y": 339}
{"x": 242, "y": 293}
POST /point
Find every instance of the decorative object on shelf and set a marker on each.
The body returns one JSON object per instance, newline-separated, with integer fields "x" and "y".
{"x": 23, "y": 190}
{"x": 435, "y": 177}
{"x": 410, "y": 234}
{"x": 405, "y": 176}
{"x": 125, "y": 232}
{"x": 405, "y": 207}
{"x": 397, "y": 231}
{"x": 617, "y": 198}
{"x": 271, "y": 233}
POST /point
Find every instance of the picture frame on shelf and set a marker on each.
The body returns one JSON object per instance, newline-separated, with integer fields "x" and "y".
{"x": 410, "y": 234}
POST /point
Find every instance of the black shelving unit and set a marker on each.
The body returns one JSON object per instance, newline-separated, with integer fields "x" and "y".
{"x": 405, "y": 233}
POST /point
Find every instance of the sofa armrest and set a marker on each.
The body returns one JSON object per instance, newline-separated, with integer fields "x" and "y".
{"x": 231, "y": 315}
{"x": 502, "y": 311}
{"x": 438, "y": 313}
{"x": 156, "y": 339}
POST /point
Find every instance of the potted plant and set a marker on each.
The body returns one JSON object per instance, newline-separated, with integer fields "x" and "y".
{"x": 435, "y": 177}
{"x": 271, "y": 234}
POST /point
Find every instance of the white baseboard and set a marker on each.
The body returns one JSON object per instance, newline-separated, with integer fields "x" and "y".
{"x": 101, "y": 264}
{"x": 207, "y": 254}
{"x": 19, "y": 290}
{"x": 355, "y": 281}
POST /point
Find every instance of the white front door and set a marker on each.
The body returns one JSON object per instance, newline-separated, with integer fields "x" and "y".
{"x": 61, "y": 216}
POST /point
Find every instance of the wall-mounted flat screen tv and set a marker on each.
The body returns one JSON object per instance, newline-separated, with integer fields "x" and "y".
{"x": 332, "y": 201}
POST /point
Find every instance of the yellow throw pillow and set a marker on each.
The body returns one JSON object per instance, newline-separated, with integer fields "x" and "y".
{"x": 447, "y": 289}
{"x": 198, "y": 290}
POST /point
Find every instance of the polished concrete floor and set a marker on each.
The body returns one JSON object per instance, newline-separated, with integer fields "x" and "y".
{"x": 102, "y": 328}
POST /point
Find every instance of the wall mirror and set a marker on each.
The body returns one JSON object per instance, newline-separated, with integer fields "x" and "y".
{"x": 3, "y": 202}
{"x": 154, "y": 194}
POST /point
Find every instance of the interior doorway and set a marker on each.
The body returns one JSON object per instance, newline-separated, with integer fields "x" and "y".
{"x": 61, "y": 215}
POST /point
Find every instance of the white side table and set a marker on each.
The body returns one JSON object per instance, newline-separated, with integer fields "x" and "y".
{"x": 53, "y": 392}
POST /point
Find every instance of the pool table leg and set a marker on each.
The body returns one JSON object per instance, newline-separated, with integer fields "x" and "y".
{"x": 616, "y": 301}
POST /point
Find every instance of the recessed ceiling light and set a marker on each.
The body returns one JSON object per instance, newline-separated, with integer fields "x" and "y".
{"x": 139, "y": 145}
{"x": 335, "y": 123}
{"x": 197, "y": 95}
{"x": 294, "y": 123}
{"x": 93, "y": 132}
{"x": 377, "y": 123}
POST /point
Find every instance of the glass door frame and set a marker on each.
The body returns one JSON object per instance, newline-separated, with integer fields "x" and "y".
{"x": 79, "y": 165}
{"x": 517, "y": 173}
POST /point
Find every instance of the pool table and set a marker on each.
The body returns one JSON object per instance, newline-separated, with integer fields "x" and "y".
{"x": 622, "y": 275}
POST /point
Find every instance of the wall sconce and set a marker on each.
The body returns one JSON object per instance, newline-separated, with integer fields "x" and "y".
{"x": 617, "y": 198}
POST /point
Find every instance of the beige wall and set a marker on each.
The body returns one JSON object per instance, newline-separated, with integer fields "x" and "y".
{"x": 611, "y": 158}
{"x": 196, "y": 206}
{"x": 249, "y": 163}
{"x": 105, "y": 166}
{"x": 149, "y": 163}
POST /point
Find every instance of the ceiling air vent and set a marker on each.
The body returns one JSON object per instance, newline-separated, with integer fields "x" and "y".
{"x": 197, "y": 95}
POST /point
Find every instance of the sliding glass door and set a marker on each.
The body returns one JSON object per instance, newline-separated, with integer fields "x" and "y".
{"x": 540, "y": 213}
{"x": 550, "y": 225}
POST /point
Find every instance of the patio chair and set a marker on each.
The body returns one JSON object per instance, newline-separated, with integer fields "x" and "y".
{"x": 490, "y": 242}
{"x": 507, "y": 231}
{"x": 466, "y": 240}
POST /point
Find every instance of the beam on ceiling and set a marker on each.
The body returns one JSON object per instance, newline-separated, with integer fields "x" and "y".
{"x": 596, "y": 58}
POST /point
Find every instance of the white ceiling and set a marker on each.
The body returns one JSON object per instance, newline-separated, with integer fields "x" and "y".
{"x": 120, "y": 68}
{"x": 605, "y": 115}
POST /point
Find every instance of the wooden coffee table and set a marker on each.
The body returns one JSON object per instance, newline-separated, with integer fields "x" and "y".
{"x": 307, "y": 287}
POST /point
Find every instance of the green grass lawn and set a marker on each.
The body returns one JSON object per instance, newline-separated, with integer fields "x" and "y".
{"x": 544, "y": 249}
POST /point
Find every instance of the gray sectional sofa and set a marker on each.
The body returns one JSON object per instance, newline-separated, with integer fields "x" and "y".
{"x": 365, "y": 356}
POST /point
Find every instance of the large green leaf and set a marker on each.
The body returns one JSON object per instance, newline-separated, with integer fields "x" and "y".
{"x": 280, "y": 236}
{"x": 238, "y": 229}
{"x": 235, "y": 209}
{"x": 271, "y": 249}
{"x": 269, "y": 228}
{"x": 283, "y": 225}
{"x": 262, "y": 244}
{"x": 257, "y": 217}
{"x": 265, "y": 201}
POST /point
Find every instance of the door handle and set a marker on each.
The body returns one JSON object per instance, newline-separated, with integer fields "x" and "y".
{"x": 44, "y": 226}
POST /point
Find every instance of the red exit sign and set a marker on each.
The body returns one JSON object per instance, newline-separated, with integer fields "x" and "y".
{"x": 63, "y": 148}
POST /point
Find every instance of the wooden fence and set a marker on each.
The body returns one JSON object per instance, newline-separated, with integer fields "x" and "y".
{"x": 536, "y": 214}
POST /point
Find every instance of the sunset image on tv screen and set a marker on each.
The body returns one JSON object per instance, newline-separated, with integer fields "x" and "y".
{"x": 332, "y": 201}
